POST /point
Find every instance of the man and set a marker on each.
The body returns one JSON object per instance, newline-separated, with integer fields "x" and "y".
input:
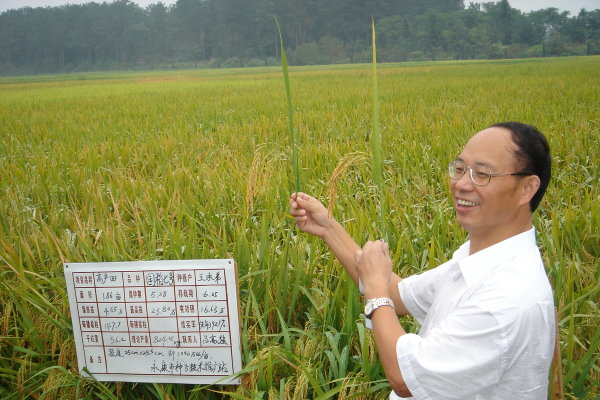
{"x": 487, "y": 315}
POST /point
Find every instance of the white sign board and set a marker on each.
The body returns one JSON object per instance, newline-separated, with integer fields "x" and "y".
{"x": 156, "y": 321}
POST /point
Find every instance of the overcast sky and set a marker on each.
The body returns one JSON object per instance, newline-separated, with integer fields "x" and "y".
{"x": 573, "y": 6}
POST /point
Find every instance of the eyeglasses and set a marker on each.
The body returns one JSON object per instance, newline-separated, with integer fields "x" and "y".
{"x": 480, "y": 175}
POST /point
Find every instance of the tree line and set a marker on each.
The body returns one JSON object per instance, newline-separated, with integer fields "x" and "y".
{"x": 234, "y": 33}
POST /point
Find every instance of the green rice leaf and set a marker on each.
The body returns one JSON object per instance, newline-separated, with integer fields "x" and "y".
{"x": 377, "y": 146}
{"x": 290, "y": 112}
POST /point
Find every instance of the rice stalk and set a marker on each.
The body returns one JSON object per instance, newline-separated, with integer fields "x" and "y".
{"x": 556, "y": 373}
{"x": 52, "y": 383}
{"x": 67, "y": 355}
{"x": 23, "y": 374}
{"x": 308, "y": 346}
{"x": 290, "y": 111}
{"x": 273, "y": 394}
{"x": 259, "y": 175}
{"x": 55, "y": 341}
{"x": 7, "y": 311}
{"x": 289, "y": 389}
{"x": 343, "y": 165}
{"x": 301, "y": 387}
{"x": 251, "y": 186}
{"x": 377, "y": 146}
{"x": 352, "y": 387}
{"x": 256, "y": 367}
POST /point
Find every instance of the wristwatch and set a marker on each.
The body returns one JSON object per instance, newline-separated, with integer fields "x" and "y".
{"x": 374, "y": 304}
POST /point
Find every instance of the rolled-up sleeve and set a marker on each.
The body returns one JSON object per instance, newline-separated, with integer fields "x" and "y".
{"x": 462, "y": 356}
{"x": 418, "y": 302}
{"x": 410, "y": 301}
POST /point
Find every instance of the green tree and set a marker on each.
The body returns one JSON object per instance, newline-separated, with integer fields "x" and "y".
{"x": 160, "y": 31}
{"x": 502, "y": 18}
{"x": 550, "y": 22}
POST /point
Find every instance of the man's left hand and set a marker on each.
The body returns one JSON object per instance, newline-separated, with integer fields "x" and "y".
{"x": 375, "y": 268}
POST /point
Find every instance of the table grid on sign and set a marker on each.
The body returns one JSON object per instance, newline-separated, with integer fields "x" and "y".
{"x": 164, "y": 312}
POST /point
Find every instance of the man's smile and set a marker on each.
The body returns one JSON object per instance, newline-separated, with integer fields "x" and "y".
{"x": 466, "y": 203}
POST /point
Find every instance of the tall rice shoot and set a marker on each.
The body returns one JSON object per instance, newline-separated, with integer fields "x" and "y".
{"x": 290, "y": 111}
{"x": 377, "y": 151}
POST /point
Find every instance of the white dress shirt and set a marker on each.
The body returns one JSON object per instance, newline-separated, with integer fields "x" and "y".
{"x": 487, "y": 325}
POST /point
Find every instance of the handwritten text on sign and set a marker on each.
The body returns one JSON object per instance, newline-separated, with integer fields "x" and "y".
{"x": 156, "y": 321}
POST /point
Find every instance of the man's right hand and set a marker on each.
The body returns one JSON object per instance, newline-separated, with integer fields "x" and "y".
{"x": 310, "y": 214}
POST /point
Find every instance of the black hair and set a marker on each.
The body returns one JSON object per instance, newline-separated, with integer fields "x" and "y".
{"x": 533, "y": 155}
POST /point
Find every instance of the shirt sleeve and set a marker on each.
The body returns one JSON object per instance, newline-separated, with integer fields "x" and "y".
{"x": 418, "y": 291}
{"x": 462, "y": 356}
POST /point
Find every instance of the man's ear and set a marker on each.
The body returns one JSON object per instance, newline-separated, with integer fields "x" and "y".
{"x": 530, "y": 186}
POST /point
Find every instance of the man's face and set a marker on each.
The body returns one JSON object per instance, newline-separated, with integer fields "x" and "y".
{"x": 491, "y": 209}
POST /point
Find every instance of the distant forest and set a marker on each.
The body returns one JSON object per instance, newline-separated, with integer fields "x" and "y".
{"x": 236, "y": 33}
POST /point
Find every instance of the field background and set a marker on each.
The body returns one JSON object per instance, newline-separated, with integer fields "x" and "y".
{"x": 196, "y": 164}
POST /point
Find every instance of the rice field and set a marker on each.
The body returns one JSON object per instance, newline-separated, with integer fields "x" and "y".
{"x": 198, "y": 164}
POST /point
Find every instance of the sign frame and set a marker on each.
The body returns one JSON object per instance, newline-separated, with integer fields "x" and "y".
{"x": 167, "y": 321}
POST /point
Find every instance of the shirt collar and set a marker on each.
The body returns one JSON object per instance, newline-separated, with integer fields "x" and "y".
{"x": 475, "y": 267}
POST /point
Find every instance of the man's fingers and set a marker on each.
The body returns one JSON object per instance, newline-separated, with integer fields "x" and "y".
{"x": 378, "y": 245}
{"x": 307, "y": 202}
{"x": 298, "y": 212}
{"x": 384, "y": 247}
{"x": 295, "y": 197}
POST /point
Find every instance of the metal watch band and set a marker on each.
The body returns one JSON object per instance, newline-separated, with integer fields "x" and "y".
{"x": 375, "y": 303}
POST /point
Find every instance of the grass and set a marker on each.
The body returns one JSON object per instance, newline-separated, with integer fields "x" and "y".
{"x": 195, "y": 164}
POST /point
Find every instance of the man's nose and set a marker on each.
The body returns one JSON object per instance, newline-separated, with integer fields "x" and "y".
{"x": 465, "y": 182}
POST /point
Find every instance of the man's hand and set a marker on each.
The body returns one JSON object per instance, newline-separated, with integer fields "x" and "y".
{"x": 310, "y": 214}
{"x": 375, "y": 268}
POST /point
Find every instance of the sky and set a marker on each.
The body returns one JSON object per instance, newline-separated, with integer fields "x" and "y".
{"x": 573, "y": 6}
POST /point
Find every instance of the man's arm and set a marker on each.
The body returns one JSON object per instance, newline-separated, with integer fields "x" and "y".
{"x": 374, "y": 266}
{"x": 312, "y": 217}
{"x": 394, "y": 294}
